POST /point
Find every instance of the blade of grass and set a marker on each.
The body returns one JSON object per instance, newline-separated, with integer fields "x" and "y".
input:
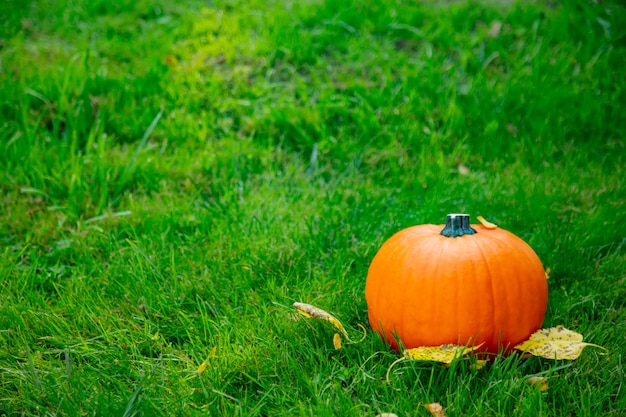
{"x": 130, "y": 167}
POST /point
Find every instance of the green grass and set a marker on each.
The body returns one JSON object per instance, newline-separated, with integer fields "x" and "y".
{"x": 173, "y": 177}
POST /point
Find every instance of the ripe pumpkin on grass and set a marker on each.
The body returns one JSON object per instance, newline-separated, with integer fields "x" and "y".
{"x": 461, "y": 284}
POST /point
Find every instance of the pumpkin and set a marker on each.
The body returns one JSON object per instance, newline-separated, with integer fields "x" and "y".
{"x": 461, "y": 284}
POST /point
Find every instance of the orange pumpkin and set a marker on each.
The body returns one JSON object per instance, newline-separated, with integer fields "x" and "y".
{"x": 463, "y": 284}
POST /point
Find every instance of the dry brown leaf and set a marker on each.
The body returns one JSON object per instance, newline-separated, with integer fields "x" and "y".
{"x": 386, "y": 415}
{"x": 435, "y": 409}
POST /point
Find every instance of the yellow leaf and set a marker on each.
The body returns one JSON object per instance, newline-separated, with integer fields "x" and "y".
{"x": 212, "y": 353}
{"x": 558, "y": 333}
{"x": 202, "y": 367}
{"x": 480, "y": 364}
{"x": 485, "y": 223}
{"x": 337, "y": 341}
{"x": 443, "y": 353}
{"x": 310, "y": 311}
{"x": 555, "y": 343}
{"x": 558, "y": 350}
{"x": 204, "y": 364}
{"x": 548, "y": 271}
{"x": 435, "y": 409}
{"x": 538, "y": 382}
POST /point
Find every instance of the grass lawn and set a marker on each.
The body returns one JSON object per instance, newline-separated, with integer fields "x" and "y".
{"x": 174, "y": 175}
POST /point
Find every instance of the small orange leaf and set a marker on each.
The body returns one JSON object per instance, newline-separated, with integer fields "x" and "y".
{"x": 435, "y": 409}
{"x": 485, "y": 223}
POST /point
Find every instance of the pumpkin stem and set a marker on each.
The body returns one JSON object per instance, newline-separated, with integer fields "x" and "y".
{"x": 457, "y": 225}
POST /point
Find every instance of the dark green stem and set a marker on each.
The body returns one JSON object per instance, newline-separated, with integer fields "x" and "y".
{"x": 457, "y": 225}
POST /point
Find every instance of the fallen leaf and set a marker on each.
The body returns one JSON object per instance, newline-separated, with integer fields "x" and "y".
{"x": 310, "y": 311}
{"x": 485, "y": 223}
{"x": 479, "y": 364}
{"x": 171, "y": 60}
{"x": 558, "y": 333}
{"x": 26, "y": 24}
{"x": 548, "y": 271}
{"x": 443, "y": 354}
{"x": 435, "y": 409}
{"x": 555, "y": 343}
{"x": 463, "y": 170}
{"x": 204, "y": 364}
{"x": 512, "y": 129}
{"x": 337, "y": 341}
{"x": 202, "y": 367}
{"x": 386, "y": 415}
{"x": 494, "y": 29}
{"x": 539, "y": 382}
